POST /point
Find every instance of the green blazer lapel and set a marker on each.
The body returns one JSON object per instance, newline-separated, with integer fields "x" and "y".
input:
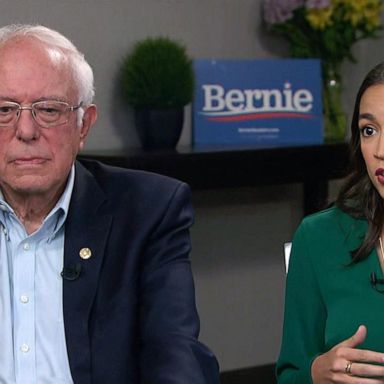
{"x": 86, "y": 232}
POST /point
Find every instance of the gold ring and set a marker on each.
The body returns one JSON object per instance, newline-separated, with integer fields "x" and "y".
{"x": 348, "y": 368}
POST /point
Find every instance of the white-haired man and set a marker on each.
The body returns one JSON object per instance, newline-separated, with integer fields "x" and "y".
{"x": 95, "y": 281}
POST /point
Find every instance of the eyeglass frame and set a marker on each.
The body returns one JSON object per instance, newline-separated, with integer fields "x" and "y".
{"x": 69, "y": 108}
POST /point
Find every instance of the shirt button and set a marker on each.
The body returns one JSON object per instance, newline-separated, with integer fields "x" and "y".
{"x": 26, "y": 246}
{"x": 24, "y": 299}
{"x": 24, "y": 348}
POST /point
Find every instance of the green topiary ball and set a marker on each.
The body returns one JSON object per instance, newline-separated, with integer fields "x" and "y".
{"x": 158, "y": 74}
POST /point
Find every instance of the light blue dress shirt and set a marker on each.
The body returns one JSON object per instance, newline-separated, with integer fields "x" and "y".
{"x": 32, "y": 339}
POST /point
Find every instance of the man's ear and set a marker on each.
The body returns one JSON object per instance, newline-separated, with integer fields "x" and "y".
{"x": 89, "y": 118}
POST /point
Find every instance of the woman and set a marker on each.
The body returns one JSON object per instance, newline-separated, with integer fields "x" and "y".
{"x": 334, "y": 311}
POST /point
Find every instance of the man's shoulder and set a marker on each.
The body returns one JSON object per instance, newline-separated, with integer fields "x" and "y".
{"x": 112, "y": 179}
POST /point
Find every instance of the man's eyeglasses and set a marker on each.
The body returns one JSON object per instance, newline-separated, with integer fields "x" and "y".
{"x": 46, "y": 113}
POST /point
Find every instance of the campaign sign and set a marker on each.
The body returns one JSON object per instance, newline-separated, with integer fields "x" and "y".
{"x": 257, "y": 102}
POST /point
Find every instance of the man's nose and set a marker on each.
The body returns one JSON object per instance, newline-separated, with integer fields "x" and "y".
{"x": 26, "y": 127}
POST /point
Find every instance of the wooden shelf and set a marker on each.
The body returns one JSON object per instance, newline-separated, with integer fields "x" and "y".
{"x": 210, "y": 168}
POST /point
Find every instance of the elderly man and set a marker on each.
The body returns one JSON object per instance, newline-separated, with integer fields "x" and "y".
{"x": 95, "y": 281}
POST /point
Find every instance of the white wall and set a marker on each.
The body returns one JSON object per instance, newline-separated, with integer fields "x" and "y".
{"x": 237, "y": 254}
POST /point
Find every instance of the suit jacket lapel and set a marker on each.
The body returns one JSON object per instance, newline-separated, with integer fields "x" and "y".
{"x": 86, "y": 227}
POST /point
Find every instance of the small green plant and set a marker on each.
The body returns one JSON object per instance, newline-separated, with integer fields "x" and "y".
{"x": 158, "y": 74}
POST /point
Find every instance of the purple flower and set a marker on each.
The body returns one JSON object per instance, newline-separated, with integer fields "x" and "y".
{"x": 278, "y": 11}
{"x": 317, "y": 4}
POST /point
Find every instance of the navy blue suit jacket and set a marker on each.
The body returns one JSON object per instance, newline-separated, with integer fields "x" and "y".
{"x": 130, "y": 316}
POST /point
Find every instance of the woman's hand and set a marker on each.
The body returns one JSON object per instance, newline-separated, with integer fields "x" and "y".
{"x": 346, "y": 364}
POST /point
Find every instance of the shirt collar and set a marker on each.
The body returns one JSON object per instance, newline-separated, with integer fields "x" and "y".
{"x": 60, "y": 210}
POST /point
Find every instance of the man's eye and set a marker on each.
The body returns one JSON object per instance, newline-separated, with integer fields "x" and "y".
{"x": 367, "y": 131}
{"x": 6, "y": 109}
{"x": 48, "y": 111}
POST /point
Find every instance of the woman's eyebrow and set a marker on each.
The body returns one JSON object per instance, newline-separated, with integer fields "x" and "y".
{"x": 367, "y": 116}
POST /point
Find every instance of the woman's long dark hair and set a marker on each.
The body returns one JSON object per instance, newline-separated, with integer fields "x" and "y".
{"x": 358, "y": 197}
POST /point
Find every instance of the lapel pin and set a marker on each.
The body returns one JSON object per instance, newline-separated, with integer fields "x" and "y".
{"x": 85, "y": 253}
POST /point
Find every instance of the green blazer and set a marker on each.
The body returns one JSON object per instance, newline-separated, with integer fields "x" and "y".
{"x": 326, "y": 298}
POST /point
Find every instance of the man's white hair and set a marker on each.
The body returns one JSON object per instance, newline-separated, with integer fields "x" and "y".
{"x": 81, "y": 70}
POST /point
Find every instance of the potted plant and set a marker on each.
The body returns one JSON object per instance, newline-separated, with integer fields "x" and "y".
{"x": 158, "y": 81}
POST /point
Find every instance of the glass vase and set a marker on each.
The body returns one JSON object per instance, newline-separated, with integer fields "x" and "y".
{"x": 335, "y": 120}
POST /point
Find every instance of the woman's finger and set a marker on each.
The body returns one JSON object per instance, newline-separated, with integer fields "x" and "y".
{"x": 364, "y": 370}
{"x": 356, "y": 339}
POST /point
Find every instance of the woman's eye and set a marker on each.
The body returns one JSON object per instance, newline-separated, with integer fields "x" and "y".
{"x": 368, "y": 131}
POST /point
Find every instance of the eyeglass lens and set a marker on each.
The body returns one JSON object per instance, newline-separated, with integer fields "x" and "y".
{"x": 45, "y": 113}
